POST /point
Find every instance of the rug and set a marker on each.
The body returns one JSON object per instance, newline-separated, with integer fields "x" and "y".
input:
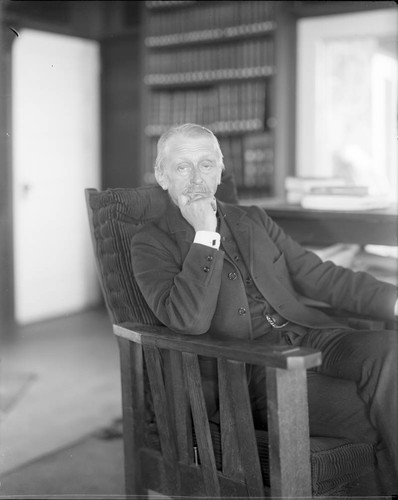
{"x": 90, "y": 468}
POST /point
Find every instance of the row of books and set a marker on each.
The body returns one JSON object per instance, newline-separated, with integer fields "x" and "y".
{"x": 161, "y": 4}
{"x": 249, "y": 156}
{"x": 207, "y": 35}
{"x": 212, "y": 76}
{"x": 246, "y": 54}
{"x": 220, "y": 128}
{"x": 209, "y": 16}
{"x": 242, "y": 106}
{"x": 333, "y": 193}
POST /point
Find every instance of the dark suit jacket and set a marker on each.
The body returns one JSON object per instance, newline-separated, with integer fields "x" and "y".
{"x": 181, "y": 281}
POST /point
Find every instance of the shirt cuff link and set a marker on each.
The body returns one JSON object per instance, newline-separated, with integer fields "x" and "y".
{"x": 208, "y": 238}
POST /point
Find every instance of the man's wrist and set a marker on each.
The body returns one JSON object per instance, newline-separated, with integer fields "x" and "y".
{"x": 208, "y": 238}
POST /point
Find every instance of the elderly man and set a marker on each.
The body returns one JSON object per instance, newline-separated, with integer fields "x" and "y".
{"x": 230, "y": 271}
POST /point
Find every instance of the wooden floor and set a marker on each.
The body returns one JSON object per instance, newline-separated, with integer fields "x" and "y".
{"x": 60, "y": 382}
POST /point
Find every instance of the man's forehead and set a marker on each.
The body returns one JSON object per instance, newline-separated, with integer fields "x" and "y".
{"x": 183, "y": 144}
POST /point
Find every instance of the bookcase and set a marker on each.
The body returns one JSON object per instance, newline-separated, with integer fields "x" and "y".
{"x": 213, "y": 63}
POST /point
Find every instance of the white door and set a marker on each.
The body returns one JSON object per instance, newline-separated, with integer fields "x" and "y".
{"x": 55, "y": 136}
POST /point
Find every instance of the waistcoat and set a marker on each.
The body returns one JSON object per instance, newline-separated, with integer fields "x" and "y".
{"x": 236, "y": 276}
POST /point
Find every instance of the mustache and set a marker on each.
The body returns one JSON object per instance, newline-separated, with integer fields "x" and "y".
{"x": 196, "y": 190}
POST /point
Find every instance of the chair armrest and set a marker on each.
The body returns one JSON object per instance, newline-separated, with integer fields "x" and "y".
{"x": 247, "y": 351}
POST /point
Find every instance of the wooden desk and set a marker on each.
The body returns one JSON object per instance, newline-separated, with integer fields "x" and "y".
{"x": 316, "y": 227}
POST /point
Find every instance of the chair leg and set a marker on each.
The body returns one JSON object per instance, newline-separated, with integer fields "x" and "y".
{"x": 131, "y": 360}
{"x": 290, "y": 468}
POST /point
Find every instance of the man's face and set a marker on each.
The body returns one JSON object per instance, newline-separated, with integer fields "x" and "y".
{"x": 191, "y": 167}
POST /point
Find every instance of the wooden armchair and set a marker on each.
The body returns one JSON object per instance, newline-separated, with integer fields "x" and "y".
{"x": 169, "y": 444}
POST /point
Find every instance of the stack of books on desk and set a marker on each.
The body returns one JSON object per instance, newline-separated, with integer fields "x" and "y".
{"x": 298, "y": 187}
{"x": 332, "y": 193}
{"x": 381, "y": 262}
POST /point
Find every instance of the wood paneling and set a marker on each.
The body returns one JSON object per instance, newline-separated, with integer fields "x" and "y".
{"x": 121, "y": 112}
{"x": 6, "y": 268}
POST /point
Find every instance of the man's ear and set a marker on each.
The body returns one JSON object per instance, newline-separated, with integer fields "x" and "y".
{"x": 161, "y": 179}
{"x": 219, "y": 175}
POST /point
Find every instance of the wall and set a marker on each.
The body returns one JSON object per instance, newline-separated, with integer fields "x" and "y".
{"x": 115, "y": 24}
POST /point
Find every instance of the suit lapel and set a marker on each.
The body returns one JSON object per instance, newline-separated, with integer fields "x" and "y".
{"x": 241, "y": 230}
{"x": 255, "y": 248}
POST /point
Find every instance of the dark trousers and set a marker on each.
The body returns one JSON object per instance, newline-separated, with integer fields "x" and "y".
{"x": 353, "y": 394}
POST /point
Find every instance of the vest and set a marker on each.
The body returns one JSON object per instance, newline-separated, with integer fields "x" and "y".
{"x": 235, "y": 279}
{"x": 236, "y": 274}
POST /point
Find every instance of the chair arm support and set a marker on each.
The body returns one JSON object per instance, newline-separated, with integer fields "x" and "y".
{"x": 247, "y": 351}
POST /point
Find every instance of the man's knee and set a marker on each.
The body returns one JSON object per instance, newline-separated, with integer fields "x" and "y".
{"x": 336, "y": 410}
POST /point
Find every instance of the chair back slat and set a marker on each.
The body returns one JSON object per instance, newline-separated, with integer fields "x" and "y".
{"x": 231, "y": 458}
{"x": 236, "y": 373}
{"x": 160, "y": 403}
{"x": 181, "y": 407}
{"x": 201, "y": 424}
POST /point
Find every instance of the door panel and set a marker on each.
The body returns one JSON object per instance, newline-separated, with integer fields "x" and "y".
{"x": 55, "y": 156}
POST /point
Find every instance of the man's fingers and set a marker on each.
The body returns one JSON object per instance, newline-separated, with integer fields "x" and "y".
{"x": 187, "y": 199}
{"x": 183, "y": 200}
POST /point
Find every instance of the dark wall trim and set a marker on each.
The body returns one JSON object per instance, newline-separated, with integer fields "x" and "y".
{"x": 331, "y": 7}
{"x": 6, "y": 233}
{"x": 285, "y": 95}
{"x": 121, "y": 121}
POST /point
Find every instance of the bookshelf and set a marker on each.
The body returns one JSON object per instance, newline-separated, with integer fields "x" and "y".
{"x": 213, "y": 63}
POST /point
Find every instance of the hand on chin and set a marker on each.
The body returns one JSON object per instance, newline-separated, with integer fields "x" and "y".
{"x": 195, "y": 196}
{"x": 199, "y": 210}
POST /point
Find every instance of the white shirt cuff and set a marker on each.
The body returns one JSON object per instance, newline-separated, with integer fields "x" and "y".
{"x": 208, "y": 238}
{"x": 396, "y": 308}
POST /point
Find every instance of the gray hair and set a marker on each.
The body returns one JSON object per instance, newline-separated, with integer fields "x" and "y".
{"x": 186, "y": 130}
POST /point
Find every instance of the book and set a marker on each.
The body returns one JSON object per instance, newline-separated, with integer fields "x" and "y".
{"x": 341, "y": 190}
{"x": 338, "y": 202}
{"x": 297, "y": 187}
{"x": 308, "y": 183}
{"x": 258, "y": 155}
